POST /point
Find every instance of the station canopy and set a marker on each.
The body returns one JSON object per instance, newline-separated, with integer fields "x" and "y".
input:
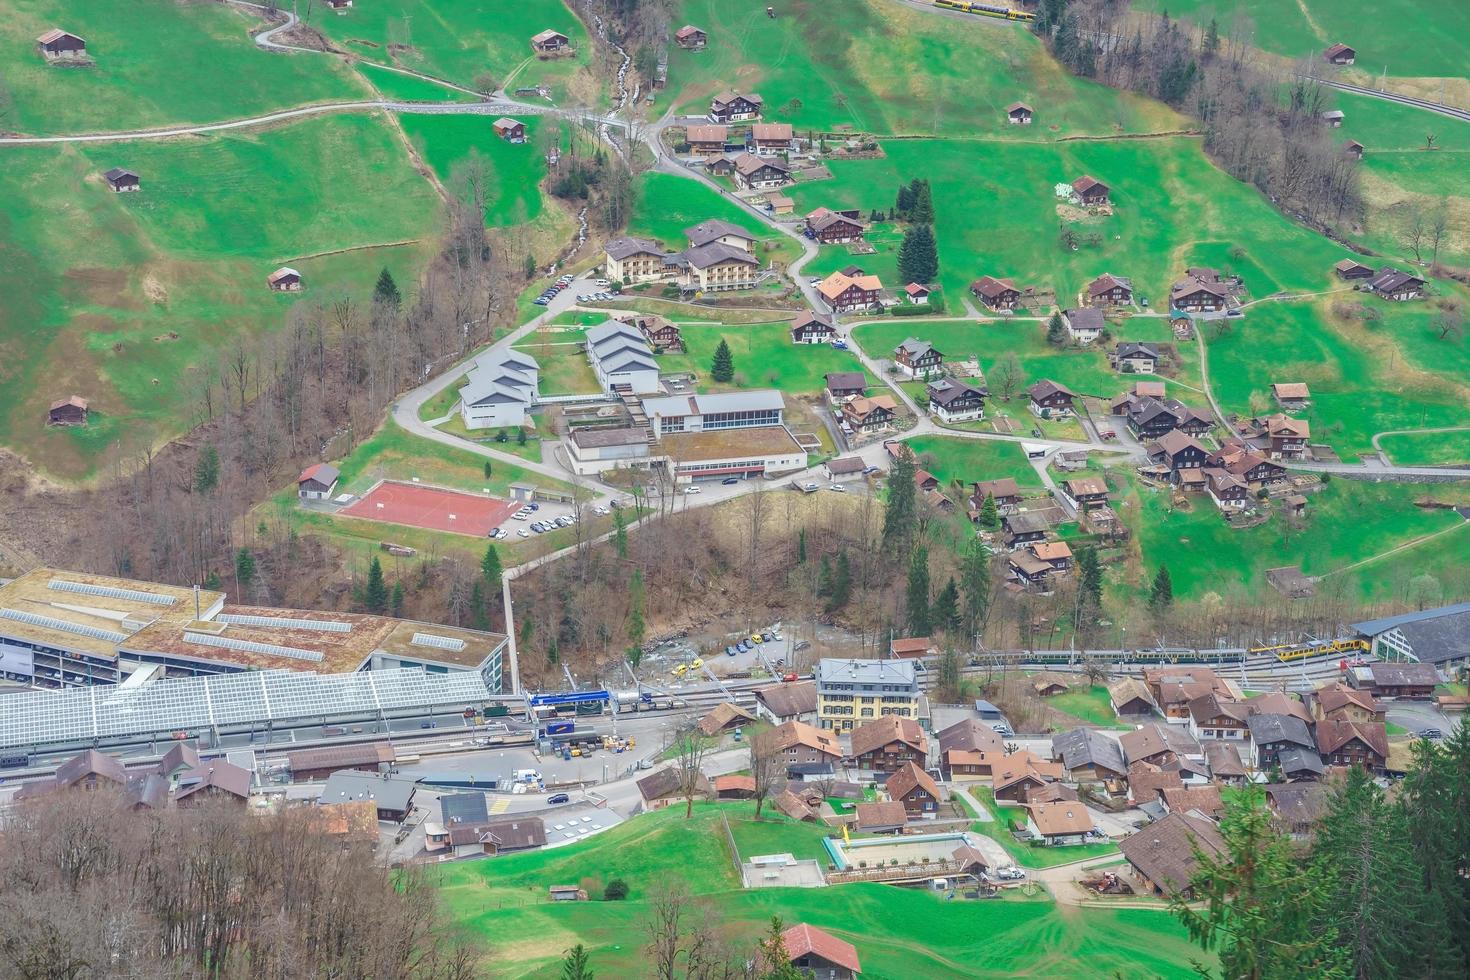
{"x": 106, "y": 712}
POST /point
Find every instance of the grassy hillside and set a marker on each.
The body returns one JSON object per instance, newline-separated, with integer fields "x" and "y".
{"x": 124, "y": 298}
{"x": 764, "y": 357}
{"x": 898, "y": 932}
{"x": 973, "y": 460}
{"x": 512, "y": 172}
{"x": 887, "y": 68}
{"x": 185, "y": 61}
{"x": 459, "y": 39}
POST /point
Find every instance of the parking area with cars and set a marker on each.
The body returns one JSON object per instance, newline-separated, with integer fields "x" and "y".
{"x": 534, "y": 518}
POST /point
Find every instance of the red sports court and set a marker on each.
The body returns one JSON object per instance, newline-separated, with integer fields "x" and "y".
{"x": 435, "y": 508}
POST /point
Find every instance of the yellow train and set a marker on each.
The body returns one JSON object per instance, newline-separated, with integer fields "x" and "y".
{"x": 984, "y": 9}
{"x": 1288, "y": 652}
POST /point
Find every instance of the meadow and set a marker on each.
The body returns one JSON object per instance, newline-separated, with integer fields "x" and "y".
{"x": 972, "y": 460}
{"x": 666, "y": 204}
{"x": 898, "y": 933}
{"x": 129, "y": 299}
{"x": 457, "y": 40}
{"x": 860, "y": 71}
{"x": 155, "y": 64}
{"x": 454, "y": 146}
{"x": 764, "y": 357}
{"x": 1429, "y": 449}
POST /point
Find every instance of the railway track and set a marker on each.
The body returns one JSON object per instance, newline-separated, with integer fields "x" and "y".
{"x": 1454, "y": 112}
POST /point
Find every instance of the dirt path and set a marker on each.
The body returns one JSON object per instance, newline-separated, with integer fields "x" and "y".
{"x": 1391, "y": 551}
{"x": 353, "y": 248}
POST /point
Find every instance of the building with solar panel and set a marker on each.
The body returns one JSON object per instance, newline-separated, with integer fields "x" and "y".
{"x": 68, "y": 629}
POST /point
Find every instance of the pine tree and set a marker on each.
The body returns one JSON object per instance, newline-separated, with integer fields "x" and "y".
{"x": 1056, "y": 334}
{"x": 920, "y": 619}
{"x": 946, "y": 611}
{"x": 1435, "y": 802}
{"x": 923, "y": 204}
{"x": 487, "y": 469}
{"x": 1161, "y": 596}
{"x": 975, "y": 579}
{"x": 206, "y": 470}
{"x": 841, "y": 588}
{"x": 905, "y": 203}
{"x": 918, "y": 256}
{"x": 577, "y": 965}
{"x": 553, "y": 656}
{"x": 900, "y": 512}
{"x": 386, "y": 290}
{"x": 479, "y": 612}
{"x": 490, "y": 569}
{"x": 620, "y": 534}
{"x": 1211, "y": 45}
{"x": 723, "y": 367}
{"x": 395, "y": 606}
{"x": 636, "y": 624}
{"x": 801, "y": 546}
{"x": 528, "y": 629}
{"x": 375, "y": 593}
{"x": 989, "y": 514}
{"x": 774, "y": 961}
{"x": 245, "y": 568}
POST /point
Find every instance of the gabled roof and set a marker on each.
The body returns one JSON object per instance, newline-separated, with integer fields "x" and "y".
{"x": 1128, "y": 689}
{"x": 970, "y": 735}
{"x": 1190, "y": 285}
{"x": 626, "y": 246}
{"x": 714, "y": 229}
{"x": 793, "y": 733}
{"x": 1086, "y": 183}
{"x": 771, "y": 131}
{"x": 825, "y": 221}
{"x": 1435, "y": 635}
{"x": 906, "y": 779}
{"x": 283, "y": 272}
{"x": 90, "y": 763}
{"x": 75, "y": 401}
{"x": 1154, "y": 739}
{"x": 1269, "y": 728}
{"x": 1333, "y": 735}
{"x": 991, "y": 288}
{"x": 1205, "y": 799}
{"x": 749, "y": 164}
{"x": 728, "y": 96}
{"x": 1088, "y": 747}
{"x": 916, "y": 348}
{"x": 1086, "y": 318}
{"x": 1338, "y": 49}
{"x": 1298, "y": 803}
{"x": 1164, "y": 851}
{"x": 861, "y": 408}
{"x": 1335, "y": 696}
{"x": 56, "y": 34}
{"x": 883, "y": 731}
{"x": 714, "y": 253}
{"x": 1291, "y": 389}
{"x": 1133, "y": 348}
{"x": 795, "y": 698}
{"x": 1004, "y": 487}
{"x": 838, "y": 283}
{"x": 323, "y": 473}
{"x": 1107, "y": 282}
{"x": 1045, "y": 388}
{"x": 708, "y": 133}
{"x": 953, "y": 391}
{"x": 116, "y": 173}
{"x": 1389, "y": 280}
{"x": 1175, "y": 442}
{"x": 1276, "y": 703}
{"x": 1085, "y": 486}
{"x": 1402, "y": 674}
{"x": 218, "y": 774}
{"x": 846, "y": 380}
{"x": 1223, "y": 759}
{"x": 1015, "y": 106}
{"x": 688, "y": 30}
{"x": 1147, "y": 781}
{"x": 1298, "y": 760}
{"x": 1061, "y": 817}
{"x": 547, "y": 35}
{"x": 722, "y": 716}
{"x": 888, "y": 813}
{"x": 1209, "y": 706}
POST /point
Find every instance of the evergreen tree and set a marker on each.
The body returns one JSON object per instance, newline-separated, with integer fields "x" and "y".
{"x": 528, "y": 629}
{"x": 950, "y": 680}
{"x": 1435, "y": 801}
{"x": 395, "y": 605}
{"x": 487, "y": 469}
{"x": 636, "y": 624}
{"x": 553, "y": 656}
{"x": 905, "y": 203}
{"x": 900, "y": 511}
{"x": 620, "y": 534}
{"x": 924, "y": 204}
{"x": 211, "y": 581}
{"x": 206, "y": 470}
{"x": 920, "y": 619}
{"x": 946, "y": 611}
{"x": 801, "y": 546}
{"x": 841, "y": 589}
{"x": 1254, "y": 905}
{"x": 989, "y": 514}
{"x": 774, "y": 962}
{"x": 577, "y": 965}
{"x": 245, "y": 568}
{"x": 479, "y": 612}
{"x": 375, "y": 593}
{"x": 975, "y": 579}
{"x": 824, "y": 577}
{"x": 1211, "y": 45}
{"x": 918, "y": 256}
{"x": 723, "y": 367}
{"x": 1089, "y": 575}
{"x": 1161, "y": 596}
{"x": 1056, "y": 334}
{"x": 490, "y": 569}
{"x": 386, "y": 290}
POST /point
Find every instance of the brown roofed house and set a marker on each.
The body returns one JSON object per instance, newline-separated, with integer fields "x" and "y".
{"x": 510, "y": 130}
{"x": 820, "y": 954}
{"x": 1129, "y": 696}
{"x": 707, "y": 140}
{"x": 1350, "y": 269}
{"x": 1018, "y": 114}
{"x": 1188, "y": 799}
{"x": 997, "y": 294}
{"x": 1090, "y": 191}
{"x": 885, "y": 744}
{"x": 1340, "y": 54}
{"x": 1050, "y": 399}
{"x": 1338, "y": 702}
{"x": 1352, "y": 743}
{"x": 798, "y": 742}
{"x": 781, "y": 703}
{"x": 1060, "y": 822}
{"x": 1110, "y": 290}
{"x": 71, "y": 410}
{"x": 724, "y": 717}
{"x": 1162, "y": 854}
{"x": 915, "y": 789}
{"x": 691, "y": 38}
{"x": 844, "y": 385}
{"x": 887, "y": 817}
{"x": 123, "y": 181}
{"x": 284, "y": 280}
{"x": 734, "y": 107}
{"x": 734, "y": 787}
{"x": 771, "y": 139}
{"x": 1291, "y": 396}
{"x": 550, "y": 42}
{"x": 59, "y": 45}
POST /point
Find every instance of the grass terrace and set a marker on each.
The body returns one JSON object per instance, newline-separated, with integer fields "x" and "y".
{"x": 668, "y": 203}
{"x": 1429, "y": 449}
{"x": 764, "y": 357}
{"x": 1024, "y": 854}
{"x": 457, "y": 147}
{"x": 1092, "y": 705}
{"x": 972, "y": 460}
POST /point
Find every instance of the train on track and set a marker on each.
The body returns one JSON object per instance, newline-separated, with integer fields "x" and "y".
{"x": 1291, "y": 652}
{"x": 984, "y": 9}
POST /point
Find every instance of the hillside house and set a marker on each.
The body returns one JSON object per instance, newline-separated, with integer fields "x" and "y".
{"x": 716, "y": 232}
{"x": 752, "y": 172}
{"x": 1161, "y": 856}
{"x": 1283, "y": 437}
{"x": 1029, "y": 572}
{"x": 122, "y": 181}
{"x": 1090, "y": 192}
{"x": 918, "y": 358}
{"x": 772, "y": 139}
{"x": 1271, "y": 734}
{"x": 843, "y": 386}
{"x": 1005, "y": 491}
{"x": 917, "y": 293}
{"x": 911, "y": 647}
{"x": 996, "y": 294}
{"x": 793, "y": 701}
{"x": 340, "y": 4}
{"x": 728, "y": 107}
{"x": 718, "y": 266}
{"x": 844, "y": 293}
{"x": 1291, "y": 396}
{"x": 886, "y": 744}
{"x": 1057, "y": 554}
{"x": 1198, "y": 296}
{"x": 813, "y": 328}
{"x": 707, "y": 140}
{"x": 550, "y": 42}
{"x": 1352, "y": 269}
{"x": 1088, "y": 756}
{"x": 1087, "y": 492}
{"x": 1353, "y": 743}
{"x": 1018, "y": 114}
{"x": 59, "y": 45}
{"x": 1216, "y": 717}
{"x": 1338, "y": 702}
{"x": 867, "y": 415}
{"x": 834, "y": 227}
{"x": 1226, "y": 767}
{"x": 284, "y": 280}
{"x": 1157, "y": 744}
{"x": 661, "y": 335}
{"x": 1024, "y": 528}
{"x": 820, "y": 955}
{"x": 1130, "y": 697}
{"x": 1110, "y": 290}
{"x": 1396, "y": 285}
{"x": 1227, "y": 491}
{"x": 796, "y": 742}
{"x": 1179, "y": 451}
{"x": 510, "y": 130}
{"x": 956, "y": 401}
{"x": 916, "y": 790}
{"x": 317, "y": 481}
{"x": 1050, "y": 399}
{"x": 1084, "y": 325}
{"x": 71, "y": 410}
{"x": 1353, "y": 149}
{"x": 1334, "y": 118}
{"x": 1059, "y": 823}
{"x": 1132, "y": 357}
{"x": 1340, "y": 54}
{"x": 1150, "y": 418}
{"x": 691, "y": 38}
{"x": 633, "y": 260}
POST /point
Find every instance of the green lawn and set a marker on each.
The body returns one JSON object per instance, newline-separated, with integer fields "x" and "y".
{"x": 1348, "y": 521}
{"x": 565, "y": 369}
{"x": 459, "y": 39}
{"x": 408, "y": 88}
{"x": 668, "y": 203}
{"x": 461, "y": 148}
{"x": 1092, "y": 705}
{"x": 129, "y": 299}
{"x": 858, "y": 70}
{"x": 155, "y": 64}
{"x": 1437, "y": 449}
{"x": 899, "y": 933}
{"x": 764, "y": 357}
{"x": 440, "y": 405}
{"x": 972, "y": 460}
{"x": 1024, "y": 854}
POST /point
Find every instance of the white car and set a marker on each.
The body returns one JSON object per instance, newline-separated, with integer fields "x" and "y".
{"x": 523, "y": 533}
{"x": 519, "y": 516}
{"x": 689, "y": 490}
{"x": 837, "y": 487}
{"x": 603, "y": 283}
{"x": 599, "y": 509}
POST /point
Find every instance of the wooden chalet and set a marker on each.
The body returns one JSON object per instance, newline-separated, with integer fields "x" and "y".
{"x": 1397, "y": 285}
{"x": 550, "y": 42}
{"x": 728, "y": 107}
{"x": 59, "y": 45}
{"x": 1050, "y": 399}
{"x": 1005, "y": 491}
{"x": 122, "y": 181}
{"x": 284, "y": 280}
{"x": 885, "y": 744}
{"x": 1019, "y": 114}
{"x": 707, "y": 140}
{"x": 1339, "y": 54}
{"x": 691, "y": 38}
{"x": 1087, "y": 492}
{"x": 834, "y": 227}
{"x": 510, "y": 130}
{"x": 996, "y": 294}
{"x": 915, "y": 789}
{"x": 1110, "y": 290}
{"x": 845, "y": 293}
{"x": 1132, "y": 357}
{"x": 771, "y": 139}
{"x": 918, "y": 358}
{"x": 1090, "y": 192}
{"x": 813, "y": 328}
{"x": 956, "y": 401}
{"x": 1351, "y": 269}
{"x": 845, "y": 385}
{"x": 869, "y": 414}
{"x": 752, "y": 172}
{"x": 71, "y": 410}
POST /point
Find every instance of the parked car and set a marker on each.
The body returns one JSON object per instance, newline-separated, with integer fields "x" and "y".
{"x": 523, "y": 533}
{"x": 1432, "y": 734}
{"x": 539, "y": 301}
{"x": 533, "y": 506}
{"x": 729, "y": 481}
{"x": 788, "y": 678}
{"x": 1011, "y": 873}
{"x": 730, "y": 651}
{"x": 742, "y": 646}
{"x": 691, "y": 489}
{"x": 870, "y": 470}
{"x": 767, "y": 636}
{"x": 837, "y": 488}
{"x": 599, "y": 509}
{"x": 556, "y": 798}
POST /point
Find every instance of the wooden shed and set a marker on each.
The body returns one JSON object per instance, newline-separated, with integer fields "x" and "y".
{"x": 59, "y": 45}
{"x": 284, "y": 280}
{"x": 71, "y": 410}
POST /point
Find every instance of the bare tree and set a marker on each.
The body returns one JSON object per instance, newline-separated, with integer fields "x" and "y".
{"x": 1415, "y": 230}
{"x": 1449, "y": 322}
{"x": 766, "y": 769}
{"x": 689, "y": 746}
{"x": 1439, "y": 226}
{"x": 1007, "y": 376}
{"x": 664, "y": 928}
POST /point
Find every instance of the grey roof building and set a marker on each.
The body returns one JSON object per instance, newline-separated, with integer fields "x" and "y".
{"x": 714, "y": 230}
{"x": 393, "y": 797}
{"x": 715, "y": 252}
{"x": 464, "y": 808}
{"x": 627, "y": 246}
{"x": 897, "y": 675}
{"x": 1267, "y": 729}
{"x": 1435, "y": 636}
{"x": 1087, "y": 747}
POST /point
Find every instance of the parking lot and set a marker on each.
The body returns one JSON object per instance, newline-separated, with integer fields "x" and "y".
{"x": 537, "y": 518}
{"x": 767, "y": 658}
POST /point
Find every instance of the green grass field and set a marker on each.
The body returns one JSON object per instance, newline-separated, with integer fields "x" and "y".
{"x": 667, "y": 204}
{"x": 1429, "y": 449}
{"x": 764, "y": 357}
{"x": 459, "y": 39}
{"x": 189, "y": 61}
{"x": 565, "y": 369}
{"x": 129, "y": 299}
{"x": 972, "y": 460}
{"x": 1090, "y": 704}
{"x": 859, "y": 70}
{"x": 899, "y": 933}
{"x": 460, "y": 148}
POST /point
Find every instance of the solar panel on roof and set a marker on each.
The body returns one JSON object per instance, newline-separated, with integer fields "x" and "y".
{"x": 111, "y": 592}
{"x": 433, "y": 640}
{"x": 325, "y": 625}
{"x": 250, "y": 646}
{"x": 80, "y": 629}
